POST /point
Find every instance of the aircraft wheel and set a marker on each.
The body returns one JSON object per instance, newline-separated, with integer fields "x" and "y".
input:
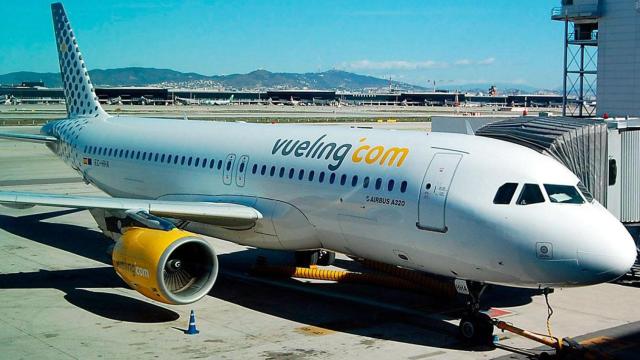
{"x": 307, "y": 258}
{"x": 476, "y": 329}
{"x": 326, "y": 258}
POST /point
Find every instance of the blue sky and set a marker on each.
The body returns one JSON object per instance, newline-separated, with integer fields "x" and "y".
{"x": 453, "y": 42}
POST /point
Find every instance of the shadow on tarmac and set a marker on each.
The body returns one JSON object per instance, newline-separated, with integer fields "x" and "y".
{"x": 322, "y": 309}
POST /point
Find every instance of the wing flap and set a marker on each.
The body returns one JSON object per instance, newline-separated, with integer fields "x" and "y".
{"x": 222, "y": 214}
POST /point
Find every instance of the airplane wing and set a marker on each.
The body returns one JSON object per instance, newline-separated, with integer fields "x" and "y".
{"x": 221, "y": 214}
{"x": 27, "y": 137}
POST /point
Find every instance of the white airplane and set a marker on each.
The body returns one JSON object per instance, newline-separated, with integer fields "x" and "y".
{"x": 219, "y": 102}
{"x": 290, "y": 102}
{"x": 187, "y": 101}
{"x": 474, "y": 209}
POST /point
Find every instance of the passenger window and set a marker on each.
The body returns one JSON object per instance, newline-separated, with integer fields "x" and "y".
{"x": 126, "y": 154}
{"x": 378, "y": 183}
{"x": 272, "y": 171}
{"x": 354, "y": 180}
{"x": 403, "y": 187}
{"x": 263, "y": 170}
{"x": 120, "y": 153}
{"x": 229, "y": 163}
{"x": 281, "y": 173}
{"x": 213, "y": 163}
{"x": 110, "y": 151}
{"x": 505, "y": 193}
{"x": 156, "y": 157}
{"x": 144, "y": 155}
{"x": 219, "y": 164}
{"x": 182, "y": 160}
{"x": 253, "y": 170}
{"x": 564, "y": 194}
{"x": 204, "y": 163}
{"x": 332, "y": 178}
{"x": 291, "y": 171}
{"x": 301, "y": 174}
{"x": 190, "y": 160}
{"x": 175, "y": 159}
{"x": 530, "y": 194}
{"x": 138, "y": 155}
{"x": 390, "y": 185}
{"x": 365, "y": 182}
{"x": 197, "y": 162}
{"x": 321, "y": 177}
{"x": 311, "y": 175}
{"x": 343, "y": 179}
{"x": 162, "y": 158}
{"x": 585, "y": 192}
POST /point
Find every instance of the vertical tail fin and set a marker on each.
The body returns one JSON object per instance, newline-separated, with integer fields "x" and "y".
{"x": 79, "y": 93}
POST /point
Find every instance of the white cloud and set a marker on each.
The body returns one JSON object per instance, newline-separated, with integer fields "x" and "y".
{"x": 463, "y": 62}
{"x": 411, "y": 65}
{"x": 487, "y": 61}
{"x": 393, "y": 65}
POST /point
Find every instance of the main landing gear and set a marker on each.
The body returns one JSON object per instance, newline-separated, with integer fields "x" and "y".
{"x": 308, "y": 258}
{"x": 475, "y": 327}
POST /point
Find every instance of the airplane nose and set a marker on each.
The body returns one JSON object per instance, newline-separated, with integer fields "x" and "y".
{"x": 611, "y": 260}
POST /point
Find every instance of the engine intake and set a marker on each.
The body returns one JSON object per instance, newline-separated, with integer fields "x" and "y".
{"x": 173, "y": 267}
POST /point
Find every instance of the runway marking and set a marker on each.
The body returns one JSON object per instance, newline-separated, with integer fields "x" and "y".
{"x": 314, "y": 330}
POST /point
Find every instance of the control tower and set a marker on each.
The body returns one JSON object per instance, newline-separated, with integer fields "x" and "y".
{"x": 601, "y": 57}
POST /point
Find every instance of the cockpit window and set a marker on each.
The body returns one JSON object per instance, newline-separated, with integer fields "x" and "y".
{"x": 585, "y": 192}
{"x": 505, "y": 193}
{"x": 564, "y": 194}
{"x": 530, "y": 194}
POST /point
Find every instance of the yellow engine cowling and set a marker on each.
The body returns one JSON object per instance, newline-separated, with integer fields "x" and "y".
{"x": 173, "y": 267}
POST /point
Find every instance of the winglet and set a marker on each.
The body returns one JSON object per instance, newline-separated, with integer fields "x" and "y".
{"x": 79, "y": 93}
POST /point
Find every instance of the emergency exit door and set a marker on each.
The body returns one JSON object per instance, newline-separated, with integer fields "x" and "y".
{"x": 435, "y": 190}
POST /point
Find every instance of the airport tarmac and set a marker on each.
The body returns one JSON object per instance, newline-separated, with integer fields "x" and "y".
{"x": 60, "y": 298}
{"x": 35, "y": 114}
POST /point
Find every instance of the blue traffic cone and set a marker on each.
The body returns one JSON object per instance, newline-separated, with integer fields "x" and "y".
{"x": 192, "y": 325}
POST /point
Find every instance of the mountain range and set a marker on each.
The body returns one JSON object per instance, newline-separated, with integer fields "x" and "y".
{"x": 258, "y": 79}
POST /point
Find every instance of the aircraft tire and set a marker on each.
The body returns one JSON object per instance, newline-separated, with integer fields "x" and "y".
{"x": 476, "y": 329}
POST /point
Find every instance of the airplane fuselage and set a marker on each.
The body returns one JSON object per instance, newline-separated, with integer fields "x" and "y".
{"x": 415, "y": 199}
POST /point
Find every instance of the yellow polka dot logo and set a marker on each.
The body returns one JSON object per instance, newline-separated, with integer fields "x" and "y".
{"x": 63, "y": 47}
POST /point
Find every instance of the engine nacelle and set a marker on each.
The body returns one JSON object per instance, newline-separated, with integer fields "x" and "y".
{"x": 173, "y": 267}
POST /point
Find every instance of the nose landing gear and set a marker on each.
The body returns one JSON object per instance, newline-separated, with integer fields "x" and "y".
{"x": 475, "y": 327}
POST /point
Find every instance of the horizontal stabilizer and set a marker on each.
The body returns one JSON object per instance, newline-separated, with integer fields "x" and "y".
{"x": 222, "y": 214}
{"x": 27, "y": 137}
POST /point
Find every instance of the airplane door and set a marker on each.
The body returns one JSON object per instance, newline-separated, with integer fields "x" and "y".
{"x": 242, "y": 170}
{"x": 434, "y": 191}
{"x": 227, "y": 172}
